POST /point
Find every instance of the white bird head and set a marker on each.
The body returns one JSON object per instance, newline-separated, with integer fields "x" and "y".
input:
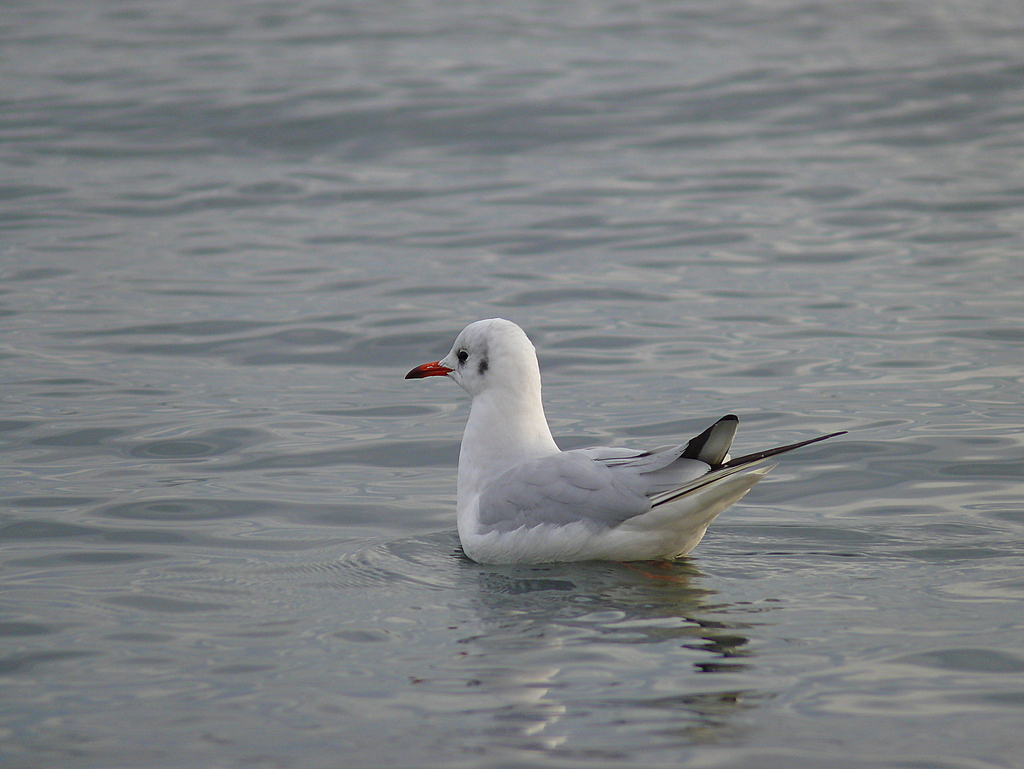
{"x": 489, "y": 355}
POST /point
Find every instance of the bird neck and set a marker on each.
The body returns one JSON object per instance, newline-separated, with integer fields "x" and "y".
{"x": 505, "y": 428}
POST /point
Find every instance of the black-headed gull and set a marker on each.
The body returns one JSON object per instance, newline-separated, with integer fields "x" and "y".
{"x": 522, "y": 500}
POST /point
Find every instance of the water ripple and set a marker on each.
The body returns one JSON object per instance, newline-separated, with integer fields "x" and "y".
{"x": 228, "y": 522}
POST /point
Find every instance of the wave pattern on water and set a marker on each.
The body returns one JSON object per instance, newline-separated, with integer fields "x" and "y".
{"x": 228, "y": 523}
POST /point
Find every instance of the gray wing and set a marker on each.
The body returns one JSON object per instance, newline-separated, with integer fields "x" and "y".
{"x": 561, "y": 489}
{"x": 602, "y": 486}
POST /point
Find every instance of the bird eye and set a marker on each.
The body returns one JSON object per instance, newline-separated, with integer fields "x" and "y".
{"x": 462, "y": 355}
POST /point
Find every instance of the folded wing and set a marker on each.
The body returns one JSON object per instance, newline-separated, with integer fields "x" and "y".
{"x": 604, "y": 487}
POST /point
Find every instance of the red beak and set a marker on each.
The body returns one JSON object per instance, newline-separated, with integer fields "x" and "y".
{"x": 428, "y": 369}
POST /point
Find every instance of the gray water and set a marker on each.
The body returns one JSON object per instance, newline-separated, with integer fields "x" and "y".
{"x": 229, "y": 228}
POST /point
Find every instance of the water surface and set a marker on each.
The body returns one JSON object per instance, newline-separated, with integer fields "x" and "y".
{"x": 227, "y": 523}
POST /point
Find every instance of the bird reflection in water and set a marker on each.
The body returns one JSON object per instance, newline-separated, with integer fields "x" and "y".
{"x": 631, "y": 641}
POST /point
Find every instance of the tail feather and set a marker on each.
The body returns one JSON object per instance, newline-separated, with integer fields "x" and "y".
{"x": 731, "y": 467}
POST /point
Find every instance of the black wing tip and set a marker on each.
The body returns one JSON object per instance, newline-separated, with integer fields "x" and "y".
{"x": 735, "y": 466}
{"x": 712, "y": 445}
{"x": 759, "y": 455}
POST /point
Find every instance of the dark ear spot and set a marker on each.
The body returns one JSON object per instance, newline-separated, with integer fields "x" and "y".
{"x": 482, "y": 368}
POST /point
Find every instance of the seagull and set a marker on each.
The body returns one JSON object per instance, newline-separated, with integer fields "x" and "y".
{"x": 522, "y": 500}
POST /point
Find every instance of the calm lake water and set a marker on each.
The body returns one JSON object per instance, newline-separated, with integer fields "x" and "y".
{"x": 228, "y": 229}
